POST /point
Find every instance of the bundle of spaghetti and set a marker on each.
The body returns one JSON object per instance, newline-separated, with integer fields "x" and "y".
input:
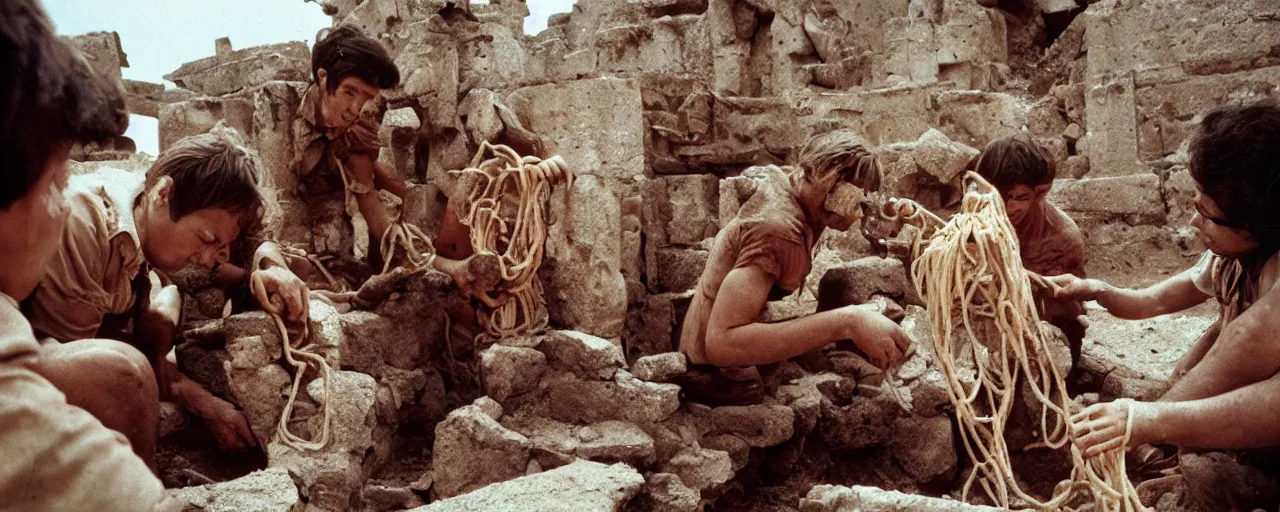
{"x": 979, "y": 296}
{"x": 516, "y": 231}
{"x": 300, "y": 356}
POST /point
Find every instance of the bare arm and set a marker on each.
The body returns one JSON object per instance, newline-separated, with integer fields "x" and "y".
{"x": 1169, "y": 296}
{"x": 384, "y": 179}
{"x": 1241, "y": 419}
{"x": 735, "y": 338}
{"x": 362, "y": 169}
{"x": 1246, "y": 352}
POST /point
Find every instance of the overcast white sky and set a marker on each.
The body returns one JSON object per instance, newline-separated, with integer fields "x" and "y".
{"x": 160, "y": 35}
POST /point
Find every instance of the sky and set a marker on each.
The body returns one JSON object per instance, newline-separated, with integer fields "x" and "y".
{"x": 158, "y": 36}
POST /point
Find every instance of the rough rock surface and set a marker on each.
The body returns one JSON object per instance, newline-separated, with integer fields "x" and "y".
{"x": 582, "y": 485}
{"x": 268, "y": 490}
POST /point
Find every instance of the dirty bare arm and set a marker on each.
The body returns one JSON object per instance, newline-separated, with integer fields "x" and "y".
{"x": 1246, "y": 352}
{"x": 735, "y": 338}
{"x": 1169, "y": 296}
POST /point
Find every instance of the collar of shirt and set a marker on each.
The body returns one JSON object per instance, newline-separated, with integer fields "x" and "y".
{"x": 119, "y": 191}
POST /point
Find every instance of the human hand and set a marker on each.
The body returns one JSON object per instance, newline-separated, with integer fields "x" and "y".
{"x": 1071, "y": 287}
{"x": 478, "y": 275}
{"x": 883, "y": 341}
{"x": 1101, "y": 427}
{"x": 228, "y": 425}
{"x": 279, "y": 291}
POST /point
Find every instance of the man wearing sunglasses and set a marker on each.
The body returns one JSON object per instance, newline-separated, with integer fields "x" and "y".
{"x": 1225, "y": 391}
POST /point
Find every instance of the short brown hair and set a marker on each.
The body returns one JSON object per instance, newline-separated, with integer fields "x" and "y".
{"x": 211, "y": 170}
{"x": 49, "y": 99}
{"x": 1016, "y": 160}
{"x": 844, "y": 152}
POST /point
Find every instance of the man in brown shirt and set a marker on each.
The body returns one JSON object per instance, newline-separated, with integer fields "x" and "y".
{"x": 336, "y": 148}
{"x": 1049, "y": 241}
{"x": 54, "y": 454}
{"x": 766, "y": 250}
{"x": 192, "y": 205}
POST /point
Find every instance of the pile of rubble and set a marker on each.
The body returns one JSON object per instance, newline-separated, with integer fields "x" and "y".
{"x": 659, "y": 106}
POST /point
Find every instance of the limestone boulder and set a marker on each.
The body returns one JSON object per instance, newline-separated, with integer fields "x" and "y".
{"x": 924, "y": 447}
{"x": 585, "y": 289}
{"x": 595, "y": 124}
{"x": 758, "y": 425}
{"x": 582, "y": 485}
{"x": 571, "y": 399}
{"x": 103, "y": 52}
{"x": 1135, "y": 199}
{"x": 701, "y": 469}
{"x": 473, "y": 450}
{"x": 675, "y": 269}
{"x": 229, "y": 71}
{"x": 832, "y": 498}
{"x": 510, "y": 371}
{"x": 267, "y": 490}
{"x": 587, "y": 356}
{"x": 659, "y": 367}
{"x": 199, "y": 115}
{"x": 606, "y": 441}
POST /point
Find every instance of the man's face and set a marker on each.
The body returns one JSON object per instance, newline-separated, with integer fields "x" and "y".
{"x": 31, "y": 229}
{"x": 1018, "y": 199}
{"x": 340, "y": 107}
{"x": 202, "y": 238}
{"x": 1220, "y": 235}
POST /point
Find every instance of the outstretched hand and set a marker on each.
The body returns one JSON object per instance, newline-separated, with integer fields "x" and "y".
{"x": 1071, "y": 287}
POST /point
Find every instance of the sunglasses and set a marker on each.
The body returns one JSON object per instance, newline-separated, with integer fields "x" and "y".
{"x": 1216, "y": 220}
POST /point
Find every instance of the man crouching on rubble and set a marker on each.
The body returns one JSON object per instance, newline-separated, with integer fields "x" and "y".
{"x": 53, "y": 454}
{"x": 198, "y": 198}
{"x": 765, "y": 252}
{"x": 336, "y": 148}
{"x": 1225, "y": 392}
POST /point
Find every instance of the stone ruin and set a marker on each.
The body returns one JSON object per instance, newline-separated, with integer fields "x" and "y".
{"x": 659, "y": 106}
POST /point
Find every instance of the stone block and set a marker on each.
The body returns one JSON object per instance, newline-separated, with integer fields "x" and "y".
{"x": 694, "y": 208}
{"x": 669, "y": 494}
{"x": 587, "y": 356}
{"x": 196, "y": 116}
{"x": 758, "y": 425}
{"x": 584, "y": 286}
{"x": 857, "y": 281}
{"x": 1110, "y": 114}
{"x": 676, "y": 270}
{"x": 675, "y": 45}
{"x": 103, "y": 52}
{"x": 267, "y": 490}
{"x": 831, "y": 498}
{"x": 1135, "y": 199}
{"x": 493, "y": 61}
{"x": 883, "y": 116}
{"x": 924, "y": 447}
{"x": 472, "y": 450}
{"x": 510, "y": 371}
{"x": 399, "y": 137}
{"x": 659, "y": 367}
{"x": 582, "y": 485}
{"x": 624, "y": 398}
{"x": 862, "y": 423}
{"x": 976, "y": 118}
{"x": 1179, "y": 194}
{"x": 595, "y": 124}
{"x": 701, "y": 469}
{"x": 1167, "y": 112}
{"x": 244, "y": 69}
{"x": 606, "y": 441}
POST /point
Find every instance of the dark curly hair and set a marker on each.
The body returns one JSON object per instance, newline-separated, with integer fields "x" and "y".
{"x": 1016, "y": 160}
{"x": 1235, "y": 158}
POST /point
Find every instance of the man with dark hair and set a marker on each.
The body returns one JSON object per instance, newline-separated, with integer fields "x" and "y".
{"x": 336, "y": 148}
{"x": 766, "y": 249}
{"x": 193, "y": 204}
{"x": 56, "y": 455}
{"x": 1225, "y": 391}
{"x": 1049, "y": 242}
